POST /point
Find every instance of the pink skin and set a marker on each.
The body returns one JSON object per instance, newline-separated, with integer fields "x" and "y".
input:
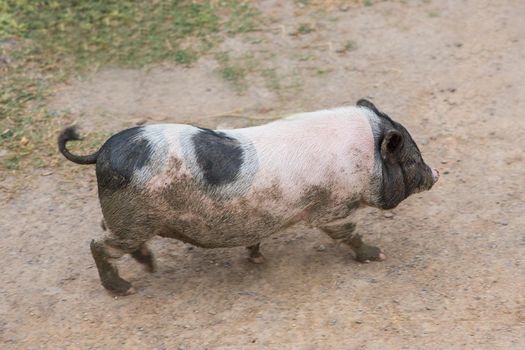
{"x": 435, "y": 174}
{"x": 339, "y": 143}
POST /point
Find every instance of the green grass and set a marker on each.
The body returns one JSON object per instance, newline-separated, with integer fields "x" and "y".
{"x": 232, "y": 71}
{"x": 271, "y": 79}
{"x": 185, "y": 56}
{"x": 433, "y": 14}
{"x": 131, "y": 33}
{"x": 47, "y": 41}
{"x": 323, "y": 71}
{"x": 305, "y": 28}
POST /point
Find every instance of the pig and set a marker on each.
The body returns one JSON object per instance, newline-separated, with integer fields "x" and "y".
{"x": 236, "y": 187}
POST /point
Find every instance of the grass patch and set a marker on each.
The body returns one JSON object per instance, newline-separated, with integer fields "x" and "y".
{"x": 185, "y": 56}
{"x": 271, "y": 79}
{"x": 233, "y": 73}
{"x": 305, "y": 28}
{"x": 348, "y": 46}
{"x": 233, "y": 70}
{"x": 43, "y": 42}
{"x": 323, "y": 71}
{"x": 243, "y": 18}
{"x": 131, "y": 33}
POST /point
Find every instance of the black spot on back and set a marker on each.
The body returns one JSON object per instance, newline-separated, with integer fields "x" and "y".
{"x": 121, "y": 156}
{"x": 219, "y": 156}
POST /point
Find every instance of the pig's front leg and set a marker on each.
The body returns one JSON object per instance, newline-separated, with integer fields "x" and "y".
{"x": 344, "y": 231}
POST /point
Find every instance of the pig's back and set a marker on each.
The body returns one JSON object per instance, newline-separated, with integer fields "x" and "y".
{"x": 314, "y": 149}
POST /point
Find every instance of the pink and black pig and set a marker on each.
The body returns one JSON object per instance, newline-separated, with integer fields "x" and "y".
{"x": 229, "y": 188}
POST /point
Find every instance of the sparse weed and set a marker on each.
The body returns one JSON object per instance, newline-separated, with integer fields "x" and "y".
{"x": 43, "y": 42}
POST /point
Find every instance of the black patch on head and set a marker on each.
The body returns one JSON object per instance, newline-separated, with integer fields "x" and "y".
{"x": 121, "y": 156}
{"x": 365, "y": 103}
{"x": 403, "y": 170}
{"x": 219, "y": 156}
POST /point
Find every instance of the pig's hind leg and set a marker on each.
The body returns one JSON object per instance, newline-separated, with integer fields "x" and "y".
{"x": 105, "y": 254}
{"x": 143, "y": 254}
{"x": 345, "y": 232}
{"x": 112, "y": 247}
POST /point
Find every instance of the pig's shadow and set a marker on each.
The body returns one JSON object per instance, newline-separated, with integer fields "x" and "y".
{"x": 291, "y": 258}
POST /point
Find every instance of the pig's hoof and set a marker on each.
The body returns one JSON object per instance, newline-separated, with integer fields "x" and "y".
{"x": 255, "y": 255}
{"x": 130, "y": 291}
{"x": 119, "y": 287}
{"x": 259, "y": 259}
{"x": 366, "y": 254}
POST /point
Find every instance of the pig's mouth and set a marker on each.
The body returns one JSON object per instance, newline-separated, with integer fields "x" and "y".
{"x": 427, "y": 185}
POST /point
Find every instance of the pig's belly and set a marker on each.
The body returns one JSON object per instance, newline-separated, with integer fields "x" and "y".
{"x": 198, "y": 217}
{"x": 193, "y": 217}
{"x": 222, "y": 229}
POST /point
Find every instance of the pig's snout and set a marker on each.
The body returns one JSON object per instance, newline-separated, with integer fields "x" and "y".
{"x": 435, "y": 175}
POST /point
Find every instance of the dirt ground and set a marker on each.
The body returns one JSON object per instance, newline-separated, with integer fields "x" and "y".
{"x": 451, "y": 71}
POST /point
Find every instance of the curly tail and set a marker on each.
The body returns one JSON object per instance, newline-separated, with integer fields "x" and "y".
{"x": 69, "y": 134}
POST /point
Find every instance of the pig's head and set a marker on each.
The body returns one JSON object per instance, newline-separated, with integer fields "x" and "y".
{"x": 399, "y": 169}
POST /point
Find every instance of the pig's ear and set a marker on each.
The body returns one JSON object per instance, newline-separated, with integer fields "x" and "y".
{"x": 391, "y": 145}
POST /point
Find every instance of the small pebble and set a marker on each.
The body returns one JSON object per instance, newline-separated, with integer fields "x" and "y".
{"x": 388, "y": 215}
{"x": 320, "y": 248}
